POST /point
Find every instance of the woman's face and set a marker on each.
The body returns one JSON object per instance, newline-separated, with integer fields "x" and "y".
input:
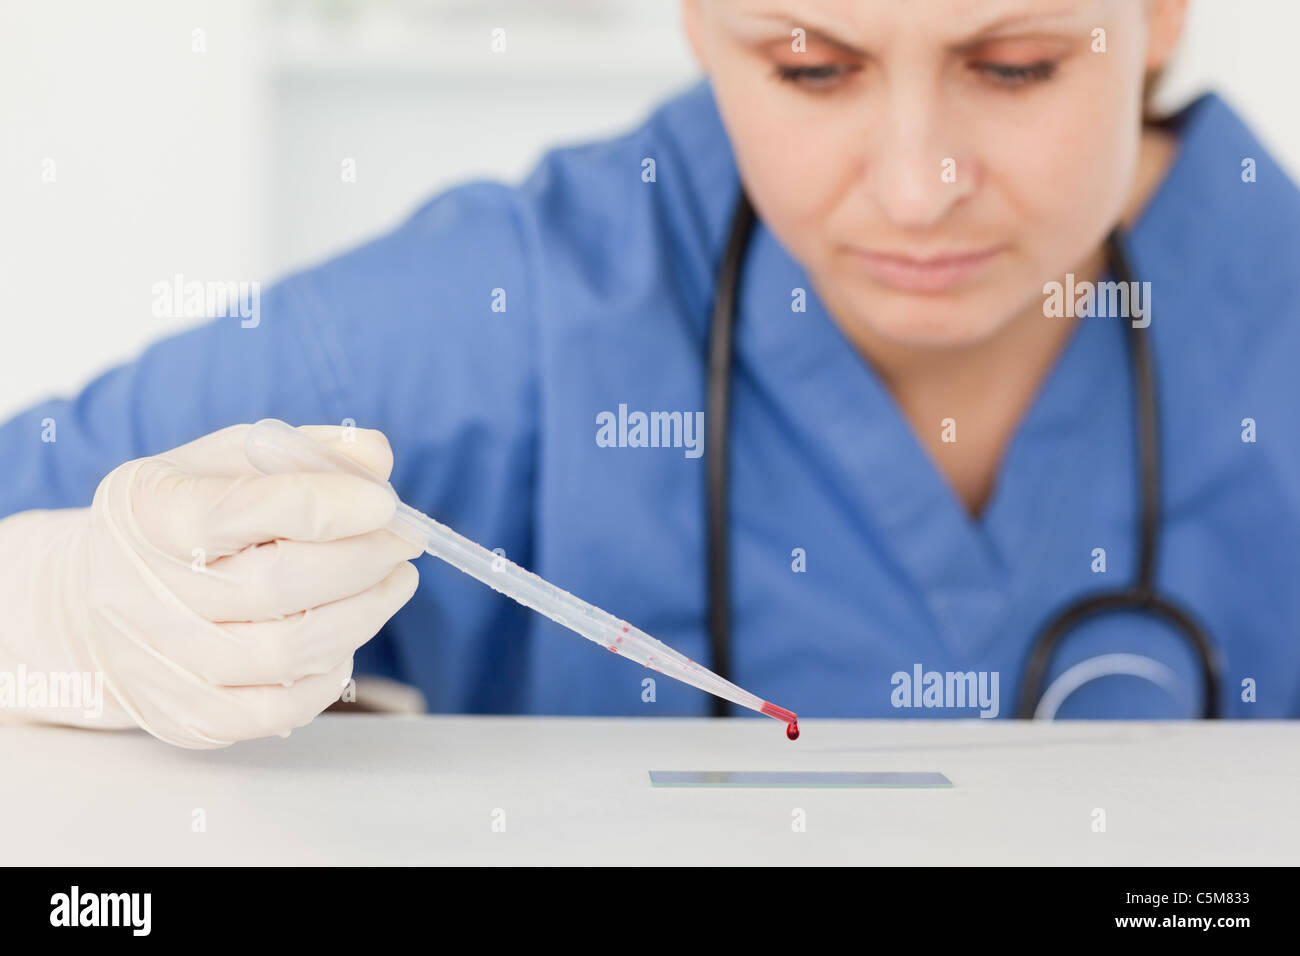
{"x": 932, "y": 163}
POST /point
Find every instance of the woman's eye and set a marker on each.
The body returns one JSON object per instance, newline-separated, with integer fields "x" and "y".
{"x": 813, "y": 77}
{"x": 1004, "y": 74}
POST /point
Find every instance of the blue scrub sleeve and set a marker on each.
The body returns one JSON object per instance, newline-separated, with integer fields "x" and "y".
{"x": 179, "y": 389}
{"x": 424, "y": 333}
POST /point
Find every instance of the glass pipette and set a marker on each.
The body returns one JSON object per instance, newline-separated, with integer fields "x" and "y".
{"x": 273, "y": 447}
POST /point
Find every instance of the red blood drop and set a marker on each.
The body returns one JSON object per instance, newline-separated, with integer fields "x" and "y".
{"x": 792, "y": 731}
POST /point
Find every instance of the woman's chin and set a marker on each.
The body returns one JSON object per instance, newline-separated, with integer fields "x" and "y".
{"x": 928, "y": 325}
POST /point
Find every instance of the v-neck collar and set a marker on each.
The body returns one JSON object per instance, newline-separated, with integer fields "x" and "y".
{"x": 960, "y": 566}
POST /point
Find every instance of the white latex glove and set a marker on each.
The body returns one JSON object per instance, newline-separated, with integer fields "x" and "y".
{"x": 219, "y": 604}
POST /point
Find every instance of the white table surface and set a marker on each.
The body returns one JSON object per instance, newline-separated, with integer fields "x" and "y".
{"x": 361, "y": 789}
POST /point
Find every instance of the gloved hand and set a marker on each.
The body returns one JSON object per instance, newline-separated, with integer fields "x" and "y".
{"x": 219, "y": 604}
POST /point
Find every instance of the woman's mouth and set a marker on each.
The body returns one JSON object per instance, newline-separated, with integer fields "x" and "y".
{"x": 922, "y": 274}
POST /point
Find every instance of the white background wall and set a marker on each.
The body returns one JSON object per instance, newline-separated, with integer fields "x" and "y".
{"x": 226, "y": 164}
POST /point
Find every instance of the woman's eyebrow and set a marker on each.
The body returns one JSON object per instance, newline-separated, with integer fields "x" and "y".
{"x": 823, "y": 37}
{"x": 760, "y": 26}
{"x": 1025, "y": 21}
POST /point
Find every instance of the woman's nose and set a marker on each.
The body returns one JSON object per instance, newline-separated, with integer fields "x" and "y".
{"x": 916, "y": 173}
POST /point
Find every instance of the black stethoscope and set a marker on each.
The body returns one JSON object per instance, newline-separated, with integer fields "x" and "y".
{"x": 1140, "y": 596}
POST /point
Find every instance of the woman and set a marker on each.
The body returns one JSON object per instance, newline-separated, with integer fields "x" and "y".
{"x": 935, "y": 390}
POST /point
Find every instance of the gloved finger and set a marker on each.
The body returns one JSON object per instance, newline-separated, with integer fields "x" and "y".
{"x": 222, "y": 452}
{"x": 368, "y": 447}
{"x": 249, "y": 712}
{"x": 177, "y": 706}
{"x": 310, "y": 642}
{"x": 178, "y": 513}
{"x": 282, "y": 577}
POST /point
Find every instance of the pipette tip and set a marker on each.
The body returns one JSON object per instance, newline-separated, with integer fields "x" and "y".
{"x": 780, "y": 713}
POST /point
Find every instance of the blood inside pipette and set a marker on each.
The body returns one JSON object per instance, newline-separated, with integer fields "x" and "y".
{"x": 780, "y": 713}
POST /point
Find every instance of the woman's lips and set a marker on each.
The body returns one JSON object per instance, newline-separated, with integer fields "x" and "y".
{"x": 926, "y": 274}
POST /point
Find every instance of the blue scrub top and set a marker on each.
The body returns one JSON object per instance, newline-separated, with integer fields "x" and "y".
{"x": 496, "y": 334}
